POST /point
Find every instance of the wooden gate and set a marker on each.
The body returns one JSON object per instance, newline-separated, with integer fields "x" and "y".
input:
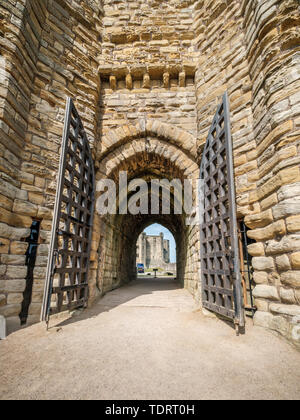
{"x": 68, "y": 265}
{"x": 221, "y": 275}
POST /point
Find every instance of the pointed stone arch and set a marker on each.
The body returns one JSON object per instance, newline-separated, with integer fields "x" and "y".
{"x": 113, "y": 139}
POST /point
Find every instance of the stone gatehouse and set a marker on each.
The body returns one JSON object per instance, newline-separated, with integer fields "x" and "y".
{"x": 146, "y": 77}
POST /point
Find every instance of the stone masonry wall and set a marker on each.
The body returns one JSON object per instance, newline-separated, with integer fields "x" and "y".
{"x": 273, "y": 52}
{"x": 147, "y": 64}
{"x": 20, "y": 29}
{"x": 147, "y": 76}
{"x": 48, "y": 52}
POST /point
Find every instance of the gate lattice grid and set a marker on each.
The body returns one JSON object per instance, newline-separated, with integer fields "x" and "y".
{"x": 221, "y": 277}
{"x": 67, "y": 271}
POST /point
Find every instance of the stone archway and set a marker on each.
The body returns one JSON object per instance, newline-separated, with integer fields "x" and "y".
{"x": 153, "y": 151}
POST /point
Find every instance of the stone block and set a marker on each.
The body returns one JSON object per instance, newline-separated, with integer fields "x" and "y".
{"x": 13, "y": 298}
{"x": 2, "y": 300}
{"x": 260, "y": 277}
{"x": 287, "y": 295}
{"x": 289, "y": 191}
{"x": 280, "y": 324}
{"x": 16, "y": 272}
{"x": 2, "y": 269}
{"x": 283, "y": 263}
{"x": 260, "y": 220}
{"x": 35, "y": 309}
{"x": 293, "y": 224}
{"x": 18, "y": 248}
{"x": 263, "y": 319}
{"x": 13, "y": 259}
{"x": 287, "y": 244}
{"x": 2, "y": 328}
{"x": 262, "y": 305}
{"x": 295, "y": 260}
{"x": 4, "y": 246}
{"x": 289, "y": 207}
{"x": 263, "y": 263}
{"x": 263, "y": 234}
{"x": 13, "y": 233}
{"x": 268, "y": 202}
{"x": 289, "y": 310}
{"x": 257, "y": 249}
{"x": 10, "y": 310}
{"x": 43, "y": 250}
{"x": 266, "y": 292}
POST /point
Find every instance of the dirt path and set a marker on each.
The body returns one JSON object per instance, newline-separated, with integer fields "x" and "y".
{"x": 145, "y": 341}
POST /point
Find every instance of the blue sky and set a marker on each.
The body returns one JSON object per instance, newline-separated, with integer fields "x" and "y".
{"x": 156, "y": 230}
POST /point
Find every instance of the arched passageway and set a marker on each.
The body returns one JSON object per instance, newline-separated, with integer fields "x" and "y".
{"x": 115, "y": 235}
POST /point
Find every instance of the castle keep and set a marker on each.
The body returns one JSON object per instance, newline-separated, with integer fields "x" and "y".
{"x": 146, "y": 78}
{"x": 153, "y": 251}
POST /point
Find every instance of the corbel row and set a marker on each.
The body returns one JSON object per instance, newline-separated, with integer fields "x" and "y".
{"x": 146, "y": 80}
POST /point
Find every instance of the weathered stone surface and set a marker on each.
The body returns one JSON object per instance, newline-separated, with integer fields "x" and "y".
{"x": 16, "y": 272}
{"x": 287, "y": 295}
{"x": 256, "y": 250}
{"x": 14, "y": 298}
{"x": 13, "y": 233}
{"x": 287, "y": 208}
{"x": 25, "y": 207}
{"x": 4, "y": 246}
{"x": 275, "y": 229}
{"x": 293, "y": 224}
{"x": 283, "y": 263}
{"x": 163, "y": 68}
{"x": 263, "y": 263}
{"x": 15, "y": 286}
{"x": 289, "y": 191}
{"x": 18, "y": 248}
{"x": 10, "y": 310}
{"x": 291, "y": 278}
{"x": 263, "y": 319}
{"x": 259, "y": 220}
{"x": 266, "y": 292}
{"x": 43, "y": 250}
{"x": 2, "y": 300}
{"x": 295, "y": 260}
{"x": 285, "y": 245}
{"x": 35, "y": 309}
{"x": 260, "y": 277}
{"x": 262, "y": 305}
{"x": 290, "y": 310}
{"x": 2, "y": 328}
{"x": 13, "y": 259}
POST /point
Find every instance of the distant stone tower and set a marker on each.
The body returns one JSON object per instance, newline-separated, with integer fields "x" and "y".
{"x": 153, "y": 251}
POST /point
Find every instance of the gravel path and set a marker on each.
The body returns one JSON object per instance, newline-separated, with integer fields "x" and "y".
{"x": 146, "y": 341}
